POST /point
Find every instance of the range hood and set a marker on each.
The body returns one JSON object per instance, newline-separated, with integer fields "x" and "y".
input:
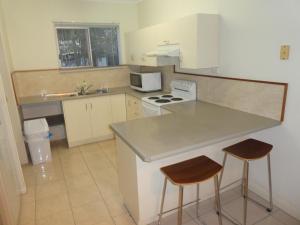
{"x": 165, "y": 50}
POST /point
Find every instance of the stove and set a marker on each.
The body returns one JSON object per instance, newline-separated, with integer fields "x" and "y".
{"x": 181, "y": 91}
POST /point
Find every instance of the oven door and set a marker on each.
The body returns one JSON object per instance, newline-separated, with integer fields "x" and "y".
{"x": 150, "y": 110}
{"x": 136, "y": 81}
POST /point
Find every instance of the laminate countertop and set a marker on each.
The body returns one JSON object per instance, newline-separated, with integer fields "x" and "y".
{"x": 191, "y": 125}
{"x": 38, "y": 99}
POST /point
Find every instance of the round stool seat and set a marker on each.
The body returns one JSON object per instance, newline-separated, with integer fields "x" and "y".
{"x": 192, "y": 171}
{"x": 249, "y": 149}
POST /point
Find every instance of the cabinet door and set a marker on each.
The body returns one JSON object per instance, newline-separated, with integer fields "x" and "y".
{"x": 77, "y": 120}
{"x": 133, "y": 108}
{"x": 118, "y": 108}
{"x": 101, "y": 116}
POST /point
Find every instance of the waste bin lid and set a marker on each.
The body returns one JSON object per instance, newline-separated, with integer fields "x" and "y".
{"x": 35, "y": 126}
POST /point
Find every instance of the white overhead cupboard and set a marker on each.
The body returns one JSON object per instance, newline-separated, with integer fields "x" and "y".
{"x": 88, "y": 120}
{"x": 197, "y": 37}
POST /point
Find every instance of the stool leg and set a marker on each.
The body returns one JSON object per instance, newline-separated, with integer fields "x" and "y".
{"x": 221, "y": 175}
{"x": 245, "y": 184}
{"x": 162, "y": 201}
{"x": 180, "y": 204}
{"x": 198, "y": 198}
{"x": 270, "y": 184}
{"x": 217, "y": 199}
{"x": 243, "y": 180}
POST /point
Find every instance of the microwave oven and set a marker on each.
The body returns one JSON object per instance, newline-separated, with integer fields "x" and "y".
{"x": 145, "y": 82}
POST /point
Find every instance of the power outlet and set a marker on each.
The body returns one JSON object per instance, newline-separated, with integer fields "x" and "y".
{"x": 284, "y": 52}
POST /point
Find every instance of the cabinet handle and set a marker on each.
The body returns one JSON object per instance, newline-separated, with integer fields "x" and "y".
{"x": 91, "y": 105}
{"x": 86, "y": 107}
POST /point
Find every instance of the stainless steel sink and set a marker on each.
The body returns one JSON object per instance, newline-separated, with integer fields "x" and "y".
{"x": 66, "y": 94}
{"x": 98, "y": 91}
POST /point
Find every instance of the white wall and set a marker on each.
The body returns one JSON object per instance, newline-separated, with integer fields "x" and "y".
{"x": 251, "y": 34}
{"x": 31, "y": 33}
{"x": 158, "y": 11}
{"x": 5, "y": 70}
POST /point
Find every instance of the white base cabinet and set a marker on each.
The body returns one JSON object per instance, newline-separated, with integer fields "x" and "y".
{"x": 141, "y": 182}
{"x": 134, "y": 108}
{"x": 88, "y": 120}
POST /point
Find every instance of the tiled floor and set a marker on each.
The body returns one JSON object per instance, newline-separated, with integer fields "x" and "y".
{"x": 80, "y": 187}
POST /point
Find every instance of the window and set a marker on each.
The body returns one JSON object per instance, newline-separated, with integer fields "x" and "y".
{"x": 88, "y": 46}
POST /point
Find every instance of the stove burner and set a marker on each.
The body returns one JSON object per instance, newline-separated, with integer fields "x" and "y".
{"x": 153, "y": 98}
{"x": 162, "y": 101}
{"x": 177, "y": 99}
{"x": 167, "y": 96}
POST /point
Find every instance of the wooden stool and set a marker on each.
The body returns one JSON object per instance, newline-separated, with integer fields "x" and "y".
{"x": 193, "y": 171}
{"x": 249, "y": 150}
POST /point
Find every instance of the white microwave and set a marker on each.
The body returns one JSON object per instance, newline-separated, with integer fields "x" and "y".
{"x": 145, "y": 82}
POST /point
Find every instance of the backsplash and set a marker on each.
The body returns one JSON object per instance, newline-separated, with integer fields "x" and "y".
{"x": 31, "y": 83}
{"x": 261, "y": 98}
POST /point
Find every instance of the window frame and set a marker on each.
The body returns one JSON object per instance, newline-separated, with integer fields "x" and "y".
{"x": 87, "y": 27}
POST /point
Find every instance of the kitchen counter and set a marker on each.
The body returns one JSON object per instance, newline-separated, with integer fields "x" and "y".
{"x": 112, "y": 91}
{"x": 191, "y": 125}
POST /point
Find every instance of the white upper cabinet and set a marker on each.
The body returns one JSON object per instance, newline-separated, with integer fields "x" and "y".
{"x": 196, "y": 35}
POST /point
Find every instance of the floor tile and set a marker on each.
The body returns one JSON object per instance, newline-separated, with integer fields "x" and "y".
{"x": 51, "y": 205}
{"x": 260, "y": 200}
{"x": 60, "y": 218}
{"x": 73, "y": 170}
{"x": 29, "y": 196}
{"x": 29, "y": 175}
{"x": 23, "y": 222}
{"x": 269, "y": 221}
{"x": 204, "y": 207}
{"x": 229, "y": 196}
{"x": 115, "y": 205}
{"x": 95, "y": 147}
{"x": 50, "y": 189}
{"x": 108, "y": 190}
{"x": 172, "y": 219}
{"x": 254, "y": 212}
{"x": 211, "y": 218}
{"x": 108, "y": 175}
{"x": 84, "y": 195}
{"x": 192, "y": 222}
{"x": 109, "y": 144}
{"x": 79, "y": 181}
{"x": 27, "y": 213}
{"x": 124, "y": 220}
{"x": 71, "y": 158}
{"x": 285, "y": 218}
{"x": 96, "y": 160}
{"x": 91, "y": 214}
{"x": 68, "y": 153}
{"x": 80, "y": 187}
{"x": 48, "y": 172}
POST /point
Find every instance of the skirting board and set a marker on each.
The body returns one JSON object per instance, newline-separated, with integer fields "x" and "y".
{"x": 278, "y": 200}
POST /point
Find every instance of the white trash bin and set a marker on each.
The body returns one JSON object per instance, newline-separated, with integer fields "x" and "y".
{"x": 37, "y": 136}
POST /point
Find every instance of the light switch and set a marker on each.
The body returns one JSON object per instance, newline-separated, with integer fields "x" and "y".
{"x": 284, "y": 52}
